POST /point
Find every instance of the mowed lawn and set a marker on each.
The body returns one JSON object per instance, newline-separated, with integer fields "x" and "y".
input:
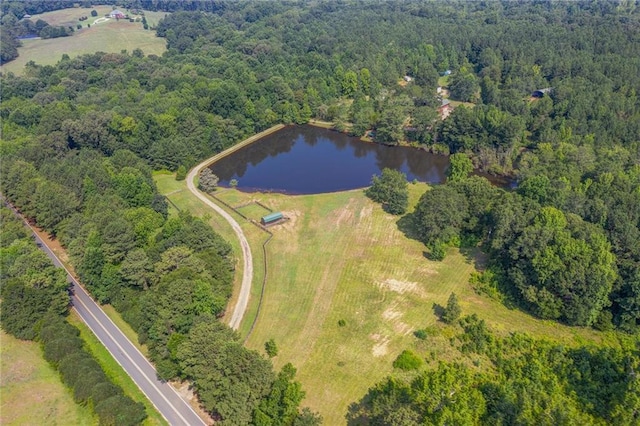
{"x": 341, "y": 257}
{"x": 31, "y": 392}
{"x": 109, "y": 36}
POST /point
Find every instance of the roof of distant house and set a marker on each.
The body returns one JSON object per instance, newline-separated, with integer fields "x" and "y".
{"x": 116, "y": 12}
{"x": 541, "y": 92}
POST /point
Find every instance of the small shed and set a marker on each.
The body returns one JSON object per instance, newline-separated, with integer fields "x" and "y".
{"x": 271, "y": 218}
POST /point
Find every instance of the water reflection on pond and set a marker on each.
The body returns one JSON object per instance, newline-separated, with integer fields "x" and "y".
{"x": 312, "y": 160}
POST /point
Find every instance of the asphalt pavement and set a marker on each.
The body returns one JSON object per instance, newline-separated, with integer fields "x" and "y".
{"x": 167, "y": 401}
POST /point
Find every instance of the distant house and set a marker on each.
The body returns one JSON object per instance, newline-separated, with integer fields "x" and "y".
{"x": 408, "y": 78}
{"x": 116, "y": 14}
{"x": 26, "y": 17}
{"x": 439, "y": 90}
{"x": 445, "y": 109}
{"x": 447, "y": 72}
{"x": 541, "y": 92}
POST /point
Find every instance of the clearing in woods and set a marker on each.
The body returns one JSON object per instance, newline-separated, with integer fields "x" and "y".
{"x": 340, "y": 257}
{"x": 110, "y": 36}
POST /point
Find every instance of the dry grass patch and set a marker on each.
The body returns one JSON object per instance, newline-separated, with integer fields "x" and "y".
{"x": 31, "y": 392}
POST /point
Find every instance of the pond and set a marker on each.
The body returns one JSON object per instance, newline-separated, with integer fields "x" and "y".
{"x": 313, "y": 160}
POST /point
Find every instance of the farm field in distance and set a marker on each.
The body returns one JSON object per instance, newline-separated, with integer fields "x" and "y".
{"x": 31, "y": 392}
{"x": 109, "y": 36}
{"x": 341, "y": 257}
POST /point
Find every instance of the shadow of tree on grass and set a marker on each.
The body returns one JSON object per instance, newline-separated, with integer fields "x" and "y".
{"x": 438, "y": 310}
{"x": 407, "y": 225}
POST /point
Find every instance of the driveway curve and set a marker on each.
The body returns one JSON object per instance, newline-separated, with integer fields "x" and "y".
{"x": 247, "y": 277}
{"x": 247, "y": 271}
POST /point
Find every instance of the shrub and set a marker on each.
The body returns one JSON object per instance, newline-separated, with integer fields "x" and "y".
{"x": 421, "y": 334}
{"x": 438, "y": 251}
{"x": 208, "y": 181}
{"x": 271, "y": 348}
{"x": 407, "y": 360}
{"x": 452, "y": 311}
{"x": 342, "y": 323}
{"x": 181, "y": 173}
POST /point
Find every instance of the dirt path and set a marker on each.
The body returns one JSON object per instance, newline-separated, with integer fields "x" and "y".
{"x": 247, "y": 278}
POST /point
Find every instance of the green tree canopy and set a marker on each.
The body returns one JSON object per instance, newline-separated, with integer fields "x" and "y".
{"x": 390, "y": 189}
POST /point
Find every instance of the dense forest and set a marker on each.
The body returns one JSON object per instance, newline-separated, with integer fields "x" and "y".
{"x": 81, "y": 138}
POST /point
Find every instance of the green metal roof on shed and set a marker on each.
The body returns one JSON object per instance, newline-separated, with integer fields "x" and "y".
{"x": 271, "y": 217}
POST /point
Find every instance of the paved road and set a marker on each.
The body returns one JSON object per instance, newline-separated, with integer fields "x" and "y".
{"x": 166, "y": 400}
{"x": 247, "y": 277}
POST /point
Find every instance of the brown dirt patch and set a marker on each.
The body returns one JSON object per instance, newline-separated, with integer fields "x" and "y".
{"x": 381, "y": 346}
{"x": 401, "y": 287}
{"x": 344, "y": 215}
{"x": 186, "y": 392}
{"x": 54, "y": 245}
{"x": 366, "y": 212}
{"x": 20, "y": 372}
{"x": 289, "y": 225}
{"x": 393, "y": 316}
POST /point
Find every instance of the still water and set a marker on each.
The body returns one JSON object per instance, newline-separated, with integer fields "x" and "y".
{"x": 312, "y": 160}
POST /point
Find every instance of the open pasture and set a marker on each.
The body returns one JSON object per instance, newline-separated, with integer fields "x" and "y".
{"x": 346, "y": 289}
{"x": 109, "y": 36}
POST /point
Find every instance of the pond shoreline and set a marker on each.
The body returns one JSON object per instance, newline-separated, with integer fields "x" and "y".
{"x": 504, "y": 181}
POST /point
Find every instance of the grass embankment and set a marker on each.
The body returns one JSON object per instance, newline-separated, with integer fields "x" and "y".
{"x": 109, "y": 36}
{"x": 114, "y": 371}
{"x": 31, "y": 392}
{"x": 340, "y": 257}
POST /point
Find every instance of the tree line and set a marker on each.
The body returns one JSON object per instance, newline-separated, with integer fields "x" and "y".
{"x": 35, "y": 302}
{"x": 169, "y": 277}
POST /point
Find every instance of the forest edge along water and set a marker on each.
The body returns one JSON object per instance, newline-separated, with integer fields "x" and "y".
{"x": 312, "y": 160}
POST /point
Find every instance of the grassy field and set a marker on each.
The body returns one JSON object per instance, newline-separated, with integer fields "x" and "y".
{"x": 340, "y": 257}
{"x": 31, "y": 392}
{"x": 109, "y": 36}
